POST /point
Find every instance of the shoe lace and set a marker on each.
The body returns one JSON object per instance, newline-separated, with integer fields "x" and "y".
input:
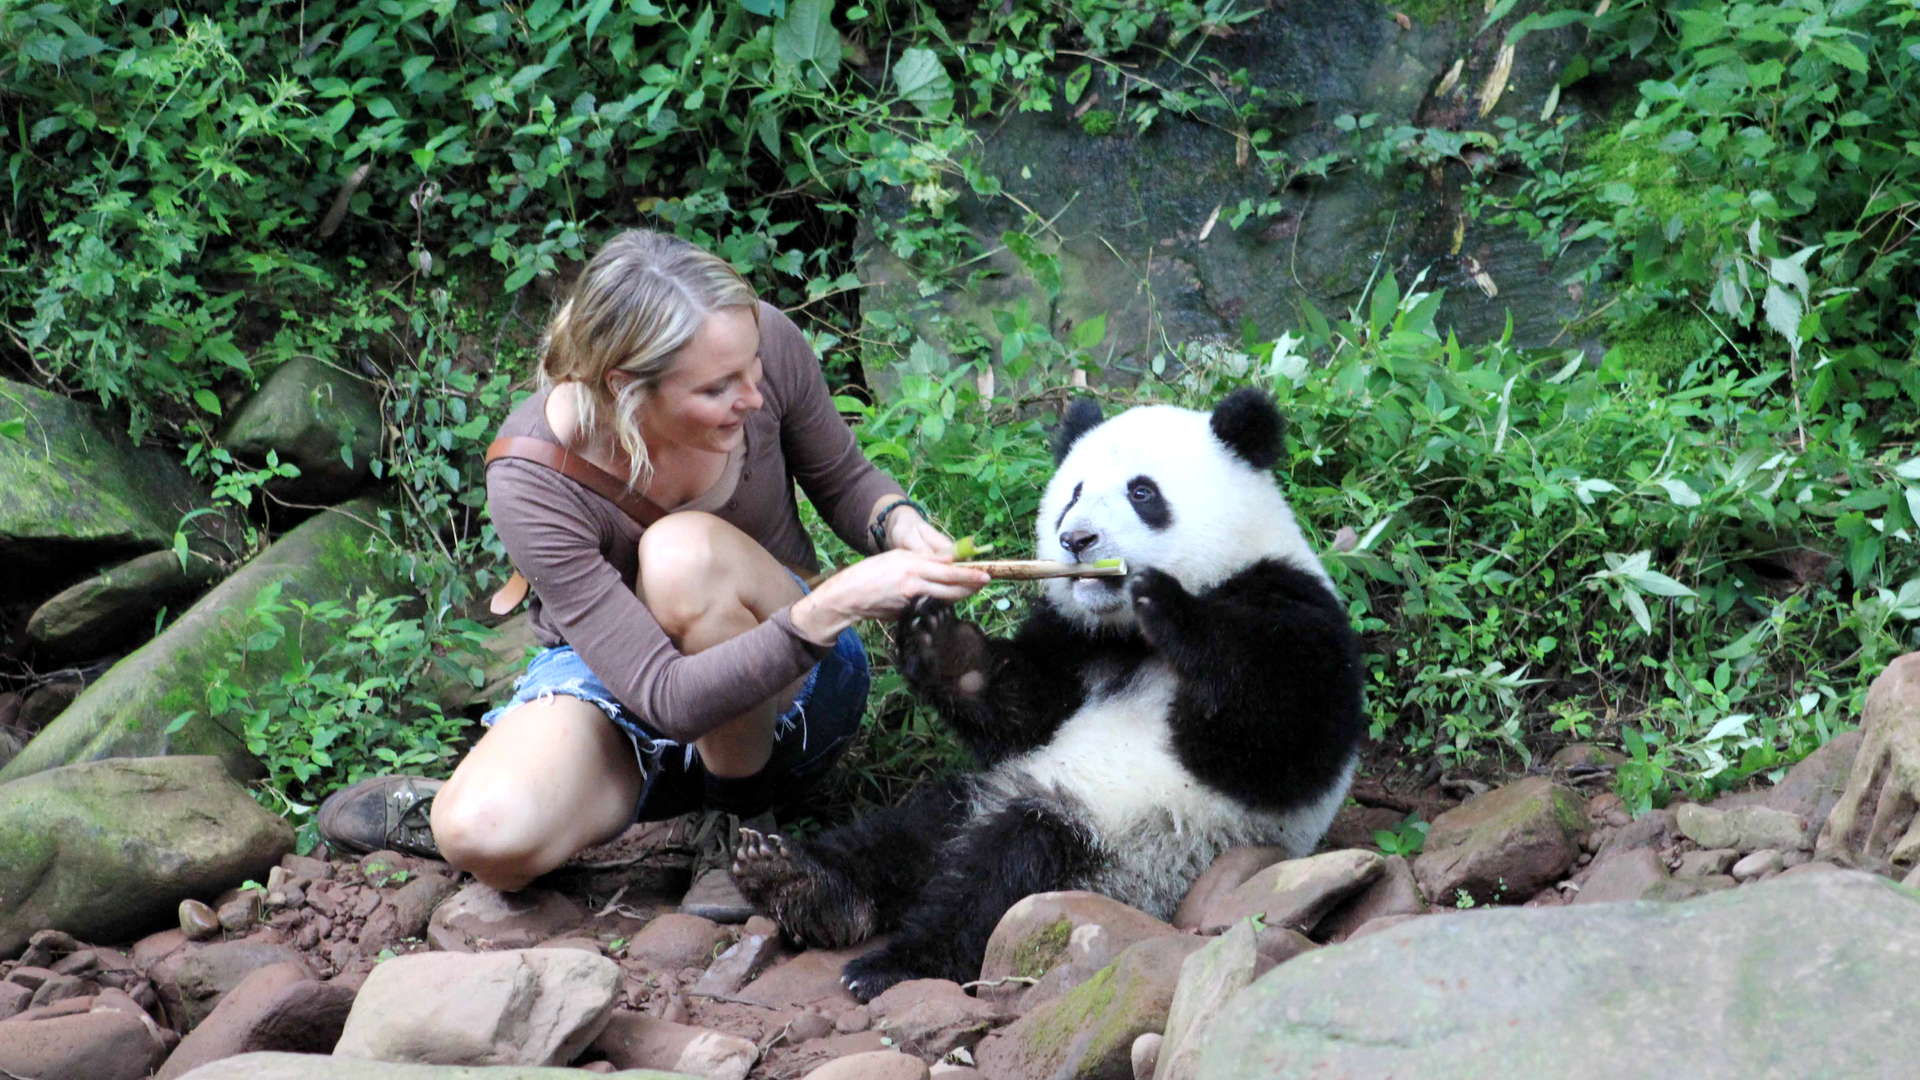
{"x": 413, "y": 828}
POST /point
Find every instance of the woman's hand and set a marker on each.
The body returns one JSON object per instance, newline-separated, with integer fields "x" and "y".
{"x": 881, "y": 587}
{"x": 908, "y": 531}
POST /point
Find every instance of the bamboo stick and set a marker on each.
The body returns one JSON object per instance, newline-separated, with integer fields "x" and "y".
{"x": 1035, "y": 569}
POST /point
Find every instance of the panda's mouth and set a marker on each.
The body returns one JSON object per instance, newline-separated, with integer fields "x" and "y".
{"x": 1099, "y": 595}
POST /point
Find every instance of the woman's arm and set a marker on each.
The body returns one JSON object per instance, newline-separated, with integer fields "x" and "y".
{"x": 550, "y": 533}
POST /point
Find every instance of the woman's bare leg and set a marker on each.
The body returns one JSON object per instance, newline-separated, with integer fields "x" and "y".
{"x": 550, "y": 777}
{"x": 706, "y": 582}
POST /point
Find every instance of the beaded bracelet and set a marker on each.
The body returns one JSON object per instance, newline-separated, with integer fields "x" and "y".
{"x": 878, "y": 530}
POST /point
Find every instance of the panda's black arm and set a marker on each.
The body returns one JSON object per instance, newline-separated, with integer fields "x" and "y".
{"x": 1001, "y": 696}
{"x": 1269, "y": 703}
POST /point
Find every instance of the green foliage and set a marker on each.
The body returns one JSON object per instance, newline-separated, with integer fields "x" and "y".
{"x": 1405, "y": 839}
{"x": 1763, "y": 182}
{"x": 343, "y": 695}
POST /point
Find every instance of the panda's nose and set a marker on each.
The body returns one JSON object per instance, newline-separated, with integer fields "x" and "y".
{"x": 1078, "y": 540}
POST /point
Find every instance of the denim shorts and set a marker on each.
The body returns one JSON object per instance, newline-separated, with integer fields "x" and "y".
{"x": 808, "y": 737}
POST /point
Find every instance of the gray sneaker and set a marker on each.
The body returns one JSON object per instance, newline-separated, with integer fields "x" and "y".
{"x": 386, "y": 813}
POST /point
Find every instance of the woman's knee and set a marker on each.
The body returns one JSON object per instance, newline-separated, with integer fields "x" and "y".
{"x": 488, "y": 832}
{"x": 683, "y": 567}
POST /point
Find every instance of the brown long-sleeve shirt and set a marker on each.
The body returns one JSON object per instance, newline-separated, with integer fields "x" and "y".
{"x": 580, "y": 552}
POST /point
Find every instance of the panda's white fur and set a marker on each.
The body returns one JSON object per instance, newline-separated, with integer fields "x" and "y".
{"x": 1227, "y": 513}
{"x": 1157, "y": 824}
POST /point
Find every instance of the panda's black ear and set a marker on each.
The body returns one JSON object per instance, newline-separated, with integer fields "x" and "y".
{"x": 1250, "y": 426}
{"x": 1083, "y": 415}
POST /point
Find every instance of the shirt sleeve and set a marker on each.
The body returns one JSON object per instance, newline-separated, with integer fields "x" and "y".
{"x": 820, "y": 448}
{"x": 549, "y": 533}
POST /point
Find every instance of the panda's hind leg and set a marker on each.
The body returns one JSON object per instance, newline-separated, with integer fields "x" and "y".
{"x": 851, "y": 882}
{"x": 1029, "y": 846}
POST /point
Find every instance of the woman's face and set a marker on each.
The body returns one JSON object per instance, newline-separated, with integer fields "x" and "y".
{"x": 703, "y": 400}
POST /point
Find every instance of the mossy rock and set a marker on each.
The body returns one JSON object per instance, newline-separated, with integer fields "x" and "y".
{"x": 321, "y": 419}
{"x": 272, "y": 1065}
{"x": 1805, "y": 975}
{"x": 76, "y": 491}
{"x": 106, "y": 850}
{"x": 1088, "y": 1032}
{"x": 127, "y": 712}
{"x": 102, "y": 612}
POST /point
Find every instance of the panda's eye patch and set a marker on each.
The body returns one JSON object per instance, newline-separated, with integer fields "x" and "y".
{"x": 1147, "y": 502}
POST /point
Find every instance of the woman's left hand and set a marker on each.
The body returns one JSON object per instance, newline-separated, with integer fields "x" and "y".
{"x": 908, "y": 531}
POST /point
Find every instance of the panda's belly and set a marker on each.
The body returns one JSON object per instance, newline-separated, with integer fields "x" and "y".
{"x": 1114, "y": 756}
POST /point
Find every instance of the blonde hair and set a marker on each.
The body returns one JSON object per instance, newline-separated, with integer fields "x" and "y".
{"x": 640, "y": 299}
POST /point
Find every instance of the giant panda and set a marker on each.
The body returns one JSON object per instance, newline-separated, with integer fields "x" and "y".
{"x": 1130, "y": 731}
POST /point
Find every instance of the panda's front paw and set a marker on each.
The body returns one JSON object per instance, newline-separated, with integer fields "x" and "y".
{"x": 1157, "y": 599}
{"x": 940, "y": 652}
{"x": 869, "y": 976}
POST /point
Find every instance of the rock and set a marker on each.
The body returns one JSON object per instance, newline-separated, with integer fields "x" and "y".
{"x": 48, "y": 948}
{"x": 479, "y": 918}
{"x": 1674, "y": 890}
{"x": 743, "y": 960}
{"x": 808, "y": 1025}
{"x": 198, "y": 921}
{"x": 79, "y": 862}
{"x": 238, "y": 915}
{"x": 636, "y": 1041}
{"x": 325, "y": 558}
{"x": 102, "y": 613}
{"x": 1383, "y": 923}
{"x": 204, "y": 977}
{"x": 278, "y": 1007}
{"x": 932, "y": 1017}
{"x": 1278, "y": 944}
{"x": 873, "y": 1065}
{"x": 1706, "y": 863}
{"x": 45, "y": 702}
{"x": 1129, "y": 215}
{"x": 61, "y": 988}
{"x": 414, "y": 903}
{"x": 857, "y": 1019}
{"x": 1146, "y": 1055}
{"x": 1811, "y": 788}
{"x": 1759, "y": 864}
{"x": 102, "y": 1044}
{"x": 1061, "y": 939}
{"x": 809, "y": 978}
{"x": 1653, "y": 829}
{"x": 1577, "y": 758}
{"x": 1233, "y": 867}
{"x": 1621, "y": 983}
{"x": 1626, "y": 874}
{"x": 1298, "y": 893}
{"x": 1874, "y": 824}
{"x": 1743, "y": 829}
{"x": 1505, "y": 845}
{"x": 276, "y": 1066}
{"x": 1209, "y": 978}
{"x": 674, "y": 941}
{"x": 77, "y": 492}
{"x": 14, "y": 998}
{"x": 1089, "y": 1031}
{"x": 1394, "y": 892}
{"x": 307, "y": 413}
{"x": 524, "y": 1007}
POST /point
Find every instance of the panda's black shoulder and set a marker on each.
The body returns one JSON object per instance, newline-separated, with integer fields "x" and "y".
{"x": 1280, "y": 582}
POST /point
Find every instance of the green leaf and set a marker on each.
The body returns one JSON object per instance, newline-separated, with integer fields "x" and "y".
{"x": 1659, "y": 584}
{"x": 15, "y": 429}
{"x": 1089, "y": 332}
{"x": 806, "y": 39}
{"x": 1076, "y": 83}
{"x": 356, "y": 43}
{"x": 1680, "y": 493}
{"x": 179, "y": 722}
{"x": 595, "y": 13}
{"x": 205, "y": 398}
{"x": 920, "y": 79}
{"x": 1783, "y": 315}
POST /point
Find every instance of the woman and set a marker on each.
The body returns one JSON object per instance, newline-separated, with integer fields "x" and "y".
{"x": 686, "y": 665}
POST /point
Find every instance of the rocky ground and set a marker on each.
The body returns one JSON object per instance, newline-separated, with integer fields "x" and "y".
{"x": 387, "y": 958}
